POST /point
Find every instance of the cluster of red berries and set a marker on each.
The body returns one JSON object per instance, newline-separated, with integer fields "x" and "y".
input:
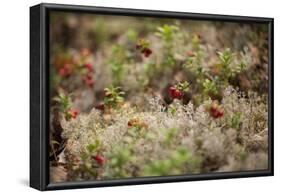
{"x": 175, "y": 93}
{"x": 143, "y": 46}
{"x": 99, "y": 159}
{"x": 71, "y": 114}
{"x": 65, "y": 70}
{"x": 216, "y": 111}
{"x": 87, "y": 68}
{"x": 88, "y": 79}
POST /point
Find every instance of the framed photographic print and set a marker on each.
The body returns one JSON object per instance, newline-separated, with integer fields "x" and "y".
{"x": 124, "y": 96}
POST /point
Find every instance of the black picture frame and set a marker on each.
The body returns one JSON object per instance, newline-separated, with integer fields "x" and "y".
{"x": 39, "y": 92}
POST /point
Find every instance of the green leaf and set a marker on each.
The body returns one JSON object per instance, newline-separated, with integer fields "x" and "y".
{"x": 93, "y": 147}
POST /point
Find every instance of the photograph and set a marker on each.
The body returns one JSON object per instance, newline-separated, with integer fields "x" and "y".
{"x": 140, "y": 96}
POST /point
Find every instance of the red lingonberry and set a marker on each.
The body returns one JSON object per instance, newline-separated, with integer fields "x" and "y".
{"x": 147, "y": 52}
{"x": 90, "y": 83}
{"x": 89, "y": 76}
{"x": 220, "y": 113}
{"x": 100, "y": 107}
{"x": 88, "y": 80}
{"x": 144, "y": 49}
{"x": 62, "y": 71}
{"x": 99, "y": 159}
{"x": 216, "y": 111}
{"x": 89, "y": 67}
{"x": 65, "y": 70}
{"x": 175, "y": 93}
{"x": 72, "y": 113}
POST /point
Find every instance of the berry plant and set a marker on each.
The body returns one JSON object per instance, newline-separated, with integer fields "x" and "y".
{"x": 138, "y": 97}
